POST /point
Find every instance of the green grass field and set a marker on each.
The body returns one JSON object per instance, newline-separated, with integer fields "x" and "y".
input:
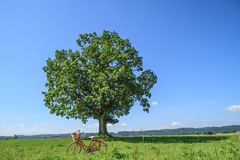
{"x": 189, "y": 147}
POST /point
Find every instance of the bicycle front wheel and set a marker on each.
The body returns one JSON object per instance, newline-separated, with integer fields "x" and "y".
{"x": 73, "y": 148}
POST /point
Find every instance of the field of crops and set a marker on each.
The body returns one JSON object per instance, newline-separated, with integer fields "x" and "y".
{"x": 209, "y": 147}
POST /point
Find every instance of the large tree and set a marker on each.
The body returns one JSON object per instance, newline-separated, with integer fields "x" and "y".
{"x": 101, "y": 80}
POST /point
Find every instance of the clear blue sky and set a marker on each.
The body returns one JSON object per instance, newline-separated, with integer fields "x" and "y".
{"x": 192, "y": 45}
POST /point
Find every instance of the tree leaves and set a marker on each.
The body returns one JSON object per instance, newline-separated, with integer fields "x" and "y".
{"x": 100, "y": 78}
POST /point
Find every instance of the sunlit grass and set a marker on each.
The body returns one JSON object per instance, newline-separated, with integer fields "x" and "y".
{"x": 209, "y": 147}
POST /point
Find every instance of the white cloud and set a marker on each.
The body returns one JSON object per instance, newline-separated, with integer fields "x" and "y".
{"x": 124, "y": 124}
{"x": 233, "y": 108}
{"x": 154, "y": 103}
{"x": 109, "y": 125}
{"x": 175, "y": 124}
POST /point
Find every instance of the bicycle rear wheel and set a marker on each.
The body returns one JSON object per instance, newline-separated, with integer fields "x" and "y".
{"x": 73, "y": 148}
{"x": 101, "y": 144}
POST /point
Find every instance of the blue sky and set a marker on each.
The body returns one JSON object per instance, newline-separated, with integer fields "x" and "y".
{"x": 192, "y": 45}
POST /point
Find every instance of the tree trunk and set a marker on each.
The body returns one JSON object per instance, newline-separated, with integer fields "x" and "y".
{"x": 102, "y": 126}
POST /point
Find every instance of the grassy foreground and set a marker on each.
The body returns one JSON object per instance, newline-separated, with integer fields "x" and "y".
{"x": 189, "y": 147}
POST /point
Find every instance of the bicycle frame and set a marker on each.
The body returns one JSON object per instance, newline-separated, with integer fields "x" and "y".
{"x": 94, "y": 144}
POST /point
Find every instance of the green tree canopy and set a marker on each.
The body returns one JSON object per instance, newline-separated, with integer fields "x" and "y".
{"x": 101, "y": 80}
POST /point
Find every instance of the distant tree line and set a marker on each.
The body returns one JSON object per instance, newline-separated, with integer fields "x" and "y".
{"x": 179, "y": 131}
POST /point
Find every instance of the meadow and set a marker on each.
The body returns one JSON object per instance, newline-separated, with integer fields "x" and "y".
{"x": 177, "y": 147}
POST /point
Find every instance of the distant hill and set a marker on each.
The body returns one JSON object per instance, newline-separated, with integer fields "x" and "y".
{"x": 4, "y": 137}
{"x": 179, "y": 131}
